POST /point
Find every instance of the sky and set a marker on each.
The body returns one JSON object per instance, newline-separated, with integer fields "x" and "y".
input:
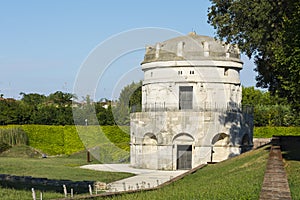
{"x": 46, "y": 45}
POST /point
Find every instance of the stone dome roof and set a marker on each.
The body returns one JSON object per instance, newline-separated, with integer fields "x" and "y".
{"x": 191, "y": 47}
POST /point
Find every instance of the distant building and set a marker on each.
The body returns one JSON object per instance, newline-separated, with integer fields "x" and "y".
{"x": 191, "y": 105}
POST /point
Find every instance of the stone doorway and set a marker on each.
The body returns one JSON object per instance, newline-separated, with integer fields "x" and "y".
{"x": 184, "y": 157}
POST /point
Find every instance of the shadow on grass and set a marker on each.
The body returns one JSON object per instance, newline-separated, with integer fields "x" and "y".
{"x": 290, "y": 147}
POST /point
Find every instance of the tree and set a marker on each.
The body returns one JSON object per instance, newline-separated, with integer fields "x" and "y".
{"x": 269, "y": 110}
{"x": 269, "y": 31}
{"x": 129, "y": 100}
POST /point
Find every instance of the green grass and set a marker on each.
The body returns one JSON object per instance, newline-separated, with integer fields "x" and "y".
{"x": 12, "y": 194}
{"x": 23, "y": 151}
{"x": 237, "y": 178}
{"x": 59, "y": 167}
{"x": 293, "y": 173}
{"x": 63, "y": 167}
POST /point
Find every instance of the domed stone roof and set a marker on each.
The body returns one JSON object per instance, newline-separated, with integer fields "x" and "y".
{"x": 191, "y": 47}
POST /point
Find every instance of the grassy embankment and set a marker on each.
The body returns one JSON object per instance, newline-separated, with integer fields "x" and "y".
{"x": 237, "y": 178}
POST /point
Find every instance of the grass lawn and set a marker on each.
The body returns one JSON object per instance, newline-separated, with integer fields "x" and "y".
{"x": 62, "y": 167}
{"x": 12, "y": 194}
{"x": 237, "y": 178}
{"x": 293, "y": 173}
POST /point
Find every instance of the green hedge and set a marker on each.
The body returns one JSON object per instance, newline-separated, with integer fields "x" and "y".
{"x": 269, "y": 131}
{"x": 120, "y": 136}
{"x": 56, "y": 140}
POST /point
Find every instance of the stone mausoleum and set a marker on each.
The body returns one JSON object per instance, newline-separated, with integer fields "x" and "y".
{"x": 191, "y": 105}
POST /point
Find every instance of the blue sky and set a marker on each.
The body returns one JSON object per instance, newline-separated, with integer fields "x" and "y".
{"x": 44, "y": 43}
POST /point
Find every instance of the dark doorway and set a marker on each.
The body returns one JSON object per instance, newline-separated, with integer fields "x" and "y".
{"x": 184, "y": 156}
{"x": 185, "y": 97}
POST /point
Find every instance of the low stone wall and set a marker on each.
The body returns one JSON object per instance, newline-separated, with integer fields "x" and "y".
{"x": 258, "y": 142}
{"x": 44, "y": 184}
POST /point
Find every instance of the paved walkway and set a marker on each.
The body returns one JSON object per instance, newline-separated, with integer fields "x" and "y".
{"x": 145, "y": 178}
{"x": 275, "y": 184}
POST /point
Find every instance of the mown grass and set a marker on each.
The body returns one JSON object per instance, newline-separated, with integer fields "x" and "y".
{"x": 238, "y": 178}
{"x": 293, "y": 173}
{"x": 12, "y": 194}
{"x": 62, "y": 167}
{"x": 59, "y": 167}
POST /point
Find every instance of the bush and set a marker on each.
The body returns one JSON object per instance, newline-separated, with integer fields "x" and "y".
{"x": 269, "y": 131}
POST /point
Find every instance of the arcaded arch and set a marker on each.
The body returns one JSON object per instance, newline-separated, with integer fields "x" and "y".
{"x": 220, "y": 139}
{"x": 184, "y": 138}
{"x": 150, "y": 139}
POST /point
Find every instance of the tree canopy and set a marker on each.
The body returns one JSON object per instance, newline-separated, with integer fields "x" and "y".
{"x": 130, "y": 100}
{"x": 267, "y": 30}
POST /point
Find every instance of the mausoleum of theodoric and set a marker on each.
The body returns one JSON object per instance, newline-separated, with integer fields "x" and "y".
{"x": 191, "y": 105}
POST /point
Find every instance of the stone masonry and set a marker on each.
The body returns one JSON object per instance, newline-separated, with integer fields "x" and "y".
{"x": 275, "y": 184}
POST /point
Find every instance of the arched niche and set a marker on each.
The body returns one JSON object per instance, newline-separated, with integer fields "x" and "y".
{"x": 220, "y": 147}
{"x": 220, "y": 139}
{"x": 149, "y": 139}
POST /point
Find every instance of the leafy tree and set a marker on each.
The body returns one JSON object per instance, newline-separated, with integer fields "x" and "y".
{"x": 33, "y": 99}
{"x": 129, "y": 100}
{"x": 269, "y": 31}
{"x": 109, "y": 116}
{"x": 269, "y": 110}
{"x": 60, "y": 98}
{"x": 8, "y": 111}
{"x": 135, "y": 100}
